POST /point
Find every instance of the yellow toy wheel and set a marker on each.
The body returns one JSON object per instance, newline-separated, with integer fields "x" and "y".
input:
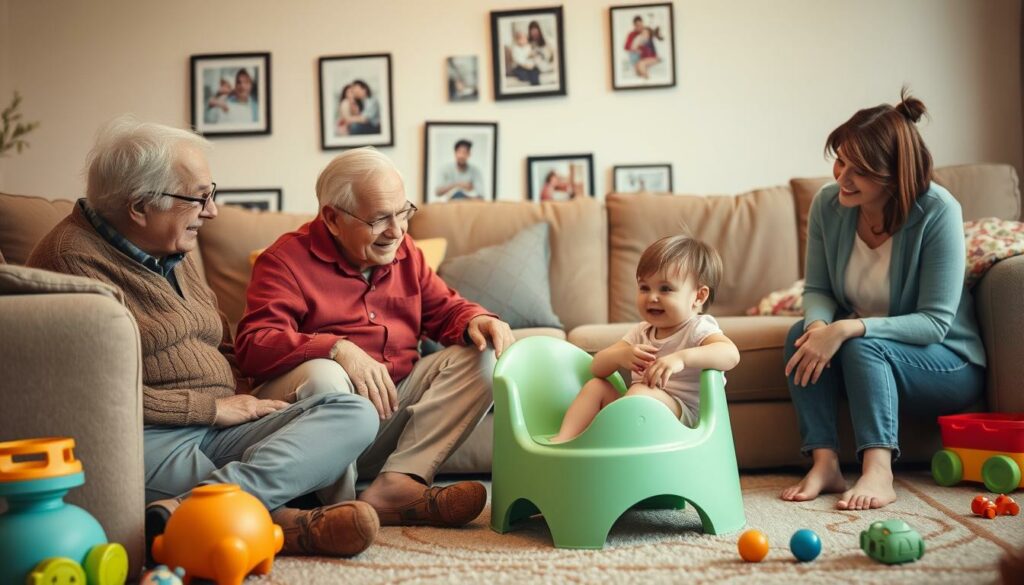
{"x": 107, "y": 564}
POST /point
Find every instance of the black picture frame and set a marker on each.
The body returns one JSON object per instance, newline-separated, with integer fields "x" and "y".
{"x": 626, "y": 66}
{"x": 622, "y": 183}
{"x": 335, "y": 74}
{"x": 445, "y": 137}
{"x": 547, "y": 77}
{"x": 538, "y": 169}
{"x": 214, "y": 81}
{"x": 254, "y": 199}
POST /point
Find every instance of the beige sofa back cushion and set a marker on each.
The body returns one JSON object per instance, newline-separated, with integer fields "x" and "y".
{"x": 983, "y": 190}
{"x": 755, "y": 233}
{"x": 579, "y": 257}
{"x": 226, "y": 243}
{"x": 25, "y": 220}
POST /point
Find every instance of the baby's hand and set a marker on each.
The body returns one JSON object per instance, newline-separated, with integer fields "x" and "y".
{"x": 661, "y": 370}
{"x": 640, "y": 357}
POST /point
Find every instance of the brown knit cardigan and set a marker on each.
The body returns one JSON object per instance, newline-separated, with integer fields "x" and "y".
{"x": 187, "y": 356}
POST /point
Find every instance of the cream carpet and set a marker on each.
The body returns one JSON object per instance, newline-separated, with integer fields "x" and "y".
{"x": 667, "y": 546}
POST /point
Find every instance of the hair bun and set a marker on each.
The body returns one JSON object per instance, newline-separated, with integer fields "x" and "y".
{"x": 910, "y": 106}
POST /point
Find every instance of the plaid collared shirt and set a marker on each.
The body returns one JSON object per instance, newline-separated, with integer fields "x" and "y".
{"x": 164, "y": 267}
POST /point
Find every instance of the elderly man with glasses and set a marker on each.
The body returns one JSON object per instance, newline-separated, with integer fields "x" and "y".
{"x": 339, "y": 306}
{"x": 149, "y": 192}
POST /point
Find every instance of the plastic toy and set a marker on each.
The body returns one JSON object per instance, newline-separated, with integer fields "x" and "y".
{"x": 1003, "y": 506}
{"x": 753, "y": 546}
{"x": 634, "y": 453}
{"x": 892, "y": 542}
{"x": 985, "y": 447}
{"x": 43, "y": 539}
{"x": 222, "y": 533}
{"x": 805, "y": 545}
{"x": 162, "y": 575}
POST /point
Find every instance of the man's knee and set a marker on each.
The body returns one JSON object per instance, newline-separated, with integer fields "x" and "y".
{"x": 323, "y": 376}
{"x": 478, "y": 364}
{"x": 355, "y": 417}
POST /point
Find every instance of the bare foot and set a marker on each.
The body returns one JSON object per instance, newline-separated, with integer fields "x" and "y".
{"x": 873, "y": 490}
{"x": 823, "y": 478}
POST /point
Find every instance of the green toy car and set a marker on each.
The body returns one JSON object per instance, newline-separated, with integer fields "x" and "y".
{"x": 892, "y": 542}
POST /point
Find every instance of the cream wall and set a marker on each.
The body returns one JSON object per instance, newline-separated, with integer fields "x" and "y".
{"x": 760, "y": 84}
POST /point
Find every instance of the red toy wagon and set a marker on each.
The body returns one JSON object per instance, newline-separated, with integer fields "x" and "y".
{"x": 985, "y": 447}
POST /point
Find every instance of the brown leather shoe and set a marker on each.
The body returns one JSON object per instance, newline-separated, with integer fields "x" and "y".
{"x": 449, "y": 506}
{"x": 338, "y": 530}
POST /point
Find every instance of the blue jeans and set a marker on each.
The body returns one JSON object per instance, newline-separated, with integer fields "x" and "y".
{"x": 882, "y": 378}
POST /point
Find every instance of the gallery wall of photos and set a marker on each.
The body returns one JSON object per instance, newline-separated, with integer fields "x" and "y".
{"x": 231, "y": 93}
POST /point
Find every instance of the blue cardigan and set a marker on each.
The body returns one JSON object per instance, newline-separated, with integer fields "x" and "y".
{"x": 928, "y": 302}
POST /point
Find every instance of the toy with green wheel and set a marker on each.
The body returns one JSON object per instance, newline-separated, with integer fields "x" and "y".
{"x": 44, "y": 540}
{"x": 982, "y": 447}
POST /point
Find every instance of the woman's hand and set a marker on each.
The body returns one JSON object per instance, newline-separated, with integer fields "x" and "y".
{"x": 243, "y": 408}
{"x": 816, "y": 347}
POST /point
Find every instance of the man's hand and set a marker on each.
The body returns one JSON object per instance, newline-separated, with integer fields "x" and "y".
{"x": 484, "y": 328}
{"x": 369, "y": 377}
{"x": 661, "y": 370}
{"x": 243, "y": 408}
{"x": 637, "y": 358}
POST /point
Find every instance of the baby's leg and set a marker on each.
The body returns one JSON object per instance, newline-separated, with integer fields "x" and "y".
{"x": 595, "y": 395}
{"x": 656, "y": 393}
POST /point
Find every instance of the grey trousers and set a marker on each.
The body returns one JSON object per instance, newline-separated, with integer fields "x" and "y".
{"x": 291, "y": 452}
{"x": 440, "y": 402}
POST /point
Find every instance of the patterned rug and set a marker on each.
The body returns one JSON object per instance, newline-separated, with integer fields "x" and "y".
{"x": 667, "y": 546}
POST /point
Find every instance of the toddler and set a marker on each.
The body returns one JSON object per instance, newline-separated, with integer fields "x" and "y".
{"x": 676, "y": 280}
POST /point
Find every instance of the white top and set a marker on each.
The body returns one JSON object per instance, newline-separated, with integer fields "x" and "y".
{"x": 684, "y": 386}
{"x": 867, "y": 278}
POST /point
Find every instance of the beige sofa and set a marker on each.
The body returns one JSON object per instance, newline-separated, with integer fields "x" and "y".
{"x": 69, "y": 366}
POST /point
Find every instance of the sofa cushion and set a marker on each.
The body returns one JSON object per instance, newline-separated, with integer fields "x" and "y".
{"x": 509, "y": 279}
{"x": 755, "y": 233}
{"x": 579, "y": 258}
{"x": 760, "y": 340}
{"x": 22, "y": 280}
{"x": 226, "y": 243}
{"x": 25, "y": 220}
{"x": 983, "y": 190}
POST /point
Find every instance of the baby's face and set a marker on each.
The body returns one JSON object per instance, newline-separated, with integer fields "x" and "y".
{"x": 667, "y": 300}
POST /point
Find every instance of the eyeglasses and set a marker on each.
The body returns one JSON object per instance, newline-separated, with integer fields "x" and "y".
{"x": 205, "y": 198}
{"x": 378, "y": 225}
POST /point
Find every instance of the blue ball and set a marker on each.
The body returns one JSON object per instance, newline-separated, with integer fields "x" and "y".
{"x": 805, "y": 544}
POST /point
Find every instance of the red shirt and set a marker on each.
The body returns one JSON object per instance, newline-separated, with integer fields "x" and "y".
{"x": 304, "y": 297}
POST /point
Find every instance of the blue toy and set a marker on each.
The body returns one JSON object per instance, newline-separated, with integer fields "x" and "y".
{"x": 805, "y": 545}
{"x": 43, "y": 539}
{"x": 162, "y": 575}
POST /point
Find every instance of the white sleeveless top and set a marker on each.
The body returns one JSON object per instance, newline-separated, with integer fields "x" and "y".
{"x": 867, "y": 278}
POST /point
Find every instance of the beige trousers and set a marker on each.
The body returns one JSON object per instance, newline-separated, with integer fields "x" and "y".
{"x": 440, "y": 402}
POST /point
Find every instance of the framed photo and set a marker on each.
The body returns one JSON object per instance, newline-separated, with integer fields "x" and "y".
{"x": 230, "y": 94}
{"x": 460, "y": 161}
{"x": 251, "y": 199}
{"x": 561, "y": 177}
{"x": 528, "y": 52}
{"x": 654, "y": 178}
{"x": 356, "y": 102}
{"x": 463, "y": 79}
{"x": 643, "y": 46}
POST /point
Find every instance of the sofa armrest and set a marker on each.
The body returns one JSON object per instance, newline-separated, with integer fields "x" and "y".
{"x": 999, "y": 304}
{"x": 71, "y": 367}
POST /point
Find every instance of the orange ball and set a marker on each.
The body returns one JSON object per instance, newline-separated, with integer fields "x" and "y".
{"x": 753, "y": 546}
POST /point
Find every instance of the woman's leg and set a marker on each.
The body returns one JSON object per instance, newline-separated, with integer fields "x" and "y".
{"x": 816, "y": 414}
{"x": 883, "y": 378}
{"x": 595, "y": 395}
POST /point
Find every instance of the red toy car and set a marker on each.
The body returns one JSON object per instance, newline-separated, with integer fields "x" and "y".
{"x": 1003, "y": 506}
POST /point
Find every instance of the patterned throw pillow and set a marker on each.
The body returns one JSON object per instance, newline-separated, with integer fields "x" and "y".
{"x": 987, "y": 240}
{"x": 510, "y": 279}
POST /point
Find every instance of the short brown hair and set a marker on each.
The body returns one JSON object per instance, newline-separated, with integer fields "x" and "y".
{"x": 884, "y": 143}
{"x": 683, "y": 255}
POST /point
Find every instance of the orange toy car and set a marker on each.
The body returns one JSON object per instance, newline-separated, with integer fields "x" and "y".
{"x": 1003, "y": 506}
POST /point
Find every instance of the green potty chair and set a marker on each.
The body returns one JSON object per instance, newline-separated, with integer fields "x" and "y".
{"x": 634, "y": 453}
